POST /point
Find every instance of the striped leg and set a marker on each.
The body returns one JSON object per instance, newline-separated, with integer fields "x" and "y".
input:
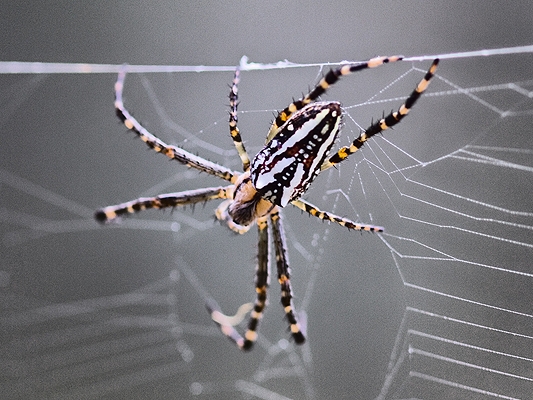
{"x": 173, "y": 152}
{"x": 164, "y": 201}
{"x": 234, "y": 130}
{"x": 331, "y": 77}
{"x": 261, "y": 285}
{"x": 282, "y": 262}
{"x": 312, "y": 210}
{"x": 385, "y": 123}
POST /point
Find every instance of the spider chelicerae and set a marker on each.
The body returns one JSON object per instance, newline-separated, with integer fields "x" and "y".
{"x": 296, "y": 151}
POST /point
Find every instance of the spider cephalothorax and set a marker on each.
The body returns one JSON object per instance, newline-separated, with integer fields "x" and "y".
{"x": 297, "y": 149}
{"x": 247, "y": 204}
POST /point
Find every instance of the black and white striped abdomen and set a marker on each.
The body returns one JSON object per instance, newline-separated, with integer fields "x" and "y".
{"x": 283, "y": 170}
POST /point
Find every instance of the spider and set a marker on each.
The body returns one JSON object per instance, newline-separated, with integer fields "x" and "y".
{"x": 297, "y": 149}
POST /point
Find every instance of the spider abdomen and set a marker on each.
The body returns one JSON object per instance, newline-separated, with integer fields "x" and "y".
{"x": 283, "y": 170}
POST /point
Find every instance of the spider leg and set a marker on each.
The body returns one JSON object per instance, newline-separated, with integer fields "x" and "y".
{"x": 384, "y": 123}
{"x": 234, "y": 130}
{"x": 261, "y": 285}
{"x": 164, "y": 201}
{"x": 282, "y": 262}
{"x": 173, "y": 152}
{"x": 329, "y": 79}
{"x": 226, "y": 323}
{"x": 314, "y": 211}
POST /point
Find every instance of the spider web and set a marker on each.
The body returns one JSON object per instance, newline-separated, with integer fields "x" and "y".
{"x": 437, "y": 306}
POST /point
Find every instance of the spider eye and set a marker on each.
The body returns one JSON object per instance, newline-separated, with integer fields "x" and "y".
{"x": 283, "y": 170}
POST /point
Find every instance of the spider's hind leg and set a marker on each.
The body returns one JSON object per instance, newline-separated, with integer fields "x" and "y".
{"x": 261, "y": 283}
{"x": 282, "y": 262}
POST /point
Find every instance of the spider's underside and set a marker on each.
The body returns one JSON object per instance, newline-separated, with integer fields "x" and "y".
{"x": 296, "y": 151}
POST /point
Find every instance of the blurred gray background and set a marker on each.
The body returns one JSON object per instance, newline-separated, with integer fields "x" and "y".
{"x": 64, "y": 137}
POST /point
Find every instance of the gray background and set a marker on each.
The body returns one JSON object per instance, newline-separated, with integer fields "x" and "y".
{"x": 65, "y": 138}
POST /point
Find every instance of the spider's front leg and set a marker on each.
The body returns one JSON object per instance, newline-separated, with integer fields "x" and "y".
{"x": 173, "y": 152}
{"x": 328, "y": 80}
{"x": 384, "y": 123}
{"x": 233, "y": 129}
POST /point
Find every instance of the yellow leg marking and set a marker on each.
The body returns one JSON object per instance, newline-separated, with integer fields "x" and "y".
{"x": 345, "y": 69}
{"x": 251, "y": 336}
{"x": 262, "y": 224}
{"x": 342, "y": 153}
{"x": 422, "y": 86}
{"x": 295, "y": 328}
{"x": 375, "y": 62}
{"x": 169, "y": 152}
{"x": 129, "y": 124}
{"x": 233, "y": 180}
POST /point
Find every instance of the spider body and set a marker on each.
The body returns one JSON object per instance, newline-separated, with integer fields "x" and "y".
{"x": 283, "y": 170}
{"x": 296, "y": 151}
